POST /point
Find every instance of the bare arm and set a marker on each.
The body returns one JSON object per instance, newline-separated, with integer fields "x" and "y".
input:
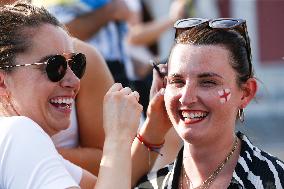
{"x": 146, "y": 33}
{"x": 153, "y": 131}
{"x": 89, "y": 105}
{"x": 120, "y": 129}
{"x": 85, "y": 26}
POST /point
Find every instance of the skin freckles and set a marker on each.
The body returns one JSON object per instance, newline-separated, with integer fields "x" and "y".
{"x": 193, "y": 94}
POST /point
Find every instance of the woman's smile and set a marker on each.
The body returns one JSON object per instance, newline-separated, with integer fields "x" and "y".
{"x": 193, "y": 116}
{"x": 62, "y": 103}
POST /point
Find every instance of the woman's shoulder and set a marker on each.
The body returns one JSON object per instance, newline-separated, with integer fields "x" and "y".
{"x": 21, "y": 131}
{"x": 256, "y": 165}
{"x": 18, "y": 124}
{"x": 11, "y": 119}
{"x": 21, "y": 136}
{"x": 30, "y": 156}
{"x": 254, "y": 153}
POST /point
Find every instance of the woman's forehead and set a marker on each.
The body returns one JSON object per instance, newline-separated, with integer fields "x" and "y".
{"x": 187, "y": 53}
{"x": 197, "y": 58}
{"x": 44, "y": 41}
{"x": 51, "y": 38}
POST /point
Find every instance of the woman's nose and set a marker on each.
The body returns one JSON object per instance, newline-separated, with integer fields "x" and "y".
{"x": 188, "y": 95}
{"x": 70, "y": 80}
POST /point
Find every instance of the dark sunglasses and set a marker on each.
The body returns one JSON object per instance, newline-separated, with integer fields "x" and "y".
{"x": 238, "y": 25}
{"x": 56, "y": 66}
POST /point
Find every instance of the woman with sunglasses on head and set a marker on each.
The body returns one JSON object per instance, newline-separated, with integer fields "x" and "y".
{"x": 209, "y": 83}
{"x": 40, "y": 77}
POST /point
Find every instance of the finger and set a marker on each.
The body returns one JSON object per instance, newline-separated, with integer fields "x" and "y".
{"x": 115, "y": 87}
{"x": 157, "y": 84}
{"x": 126, "y": 90}
{"x": 158, "y": 97}
{"x": 136, "y": 95}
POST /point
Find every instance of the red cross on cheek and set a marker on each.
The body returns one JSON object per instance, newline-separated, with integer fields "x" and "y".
{"x": 224, "y": 95}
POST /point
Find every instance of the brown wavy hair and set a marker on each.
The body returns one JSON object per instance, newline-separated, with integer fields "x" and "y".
{"x": 16, "y": 23}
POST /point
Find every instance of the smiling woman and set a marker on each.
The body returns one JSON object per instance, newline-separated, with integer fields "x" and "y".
{"x": 39, "y": 79}
{"x": 210, "y": 81}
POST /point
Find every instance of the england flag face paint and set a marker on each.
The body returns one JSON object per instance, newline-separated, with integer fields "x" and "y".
{"x": 225, "y": 95}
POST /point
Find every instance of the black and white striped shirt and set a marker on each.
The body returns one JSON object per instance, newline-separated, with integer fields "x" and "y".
{"x": 255, "y": 169}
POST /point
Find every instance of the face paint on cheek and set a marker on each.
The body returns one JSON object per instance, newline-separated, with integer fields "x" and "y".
{"x": 224, "y": 95}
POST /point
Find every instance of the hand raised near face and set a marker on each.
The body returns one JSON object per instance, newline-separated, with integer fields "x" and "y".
{"x": 159, "y": 73}
{"x": 156, "y": 112}
{"x": 121, "y": 112}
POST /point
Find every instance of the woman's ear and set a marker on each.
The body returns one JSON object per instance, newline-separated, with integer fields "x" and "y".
{"x": 249, "y": 91}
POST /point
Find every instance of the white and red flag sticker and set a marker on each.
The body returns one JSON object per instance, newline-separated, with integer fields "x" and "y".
{"x": 225, "y": 95}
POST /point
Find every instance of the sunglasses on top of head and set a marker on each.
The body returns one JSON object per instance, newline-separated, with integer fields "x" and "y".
{"x": 56, "y": 66}
{"x": 238, "y": 25}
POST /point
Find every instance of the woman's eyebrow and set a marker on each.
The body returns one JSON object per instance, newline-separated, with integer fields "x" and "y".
{"x": 209, "y": 74}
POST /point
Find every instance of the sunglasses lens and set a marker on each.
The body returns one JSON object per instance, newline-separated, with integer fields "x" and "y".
{"x": 229, "y": 23}
{"x": 56, "y": 68}
{"x": 187, "y": 23}
{"x": 78, "y": 64}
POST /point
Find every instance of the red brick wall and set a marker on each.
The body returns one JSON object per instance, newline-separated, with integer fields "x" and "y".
{"x": 270, "y": 15}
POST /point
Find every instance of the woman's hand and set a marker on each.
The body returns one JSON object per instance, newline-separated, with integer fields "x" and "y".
{"x": 156, "y": 112}
{"x": 121, "y": 113}
{"x": 121, "y": 116}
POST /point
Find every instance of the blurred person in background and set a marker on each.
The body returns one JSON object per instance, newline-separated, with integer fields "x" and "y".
{"x": 144, "y": 31}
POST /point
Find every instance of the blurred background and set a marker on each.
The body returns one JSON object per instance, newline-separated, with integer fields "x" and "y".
{"x": 264, "y": 118}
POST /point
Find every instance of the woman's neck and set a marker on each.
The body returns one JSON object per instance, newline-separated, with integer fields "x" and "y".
{"x": 201, "y": 161}
{"x": 210, "y": 149}
{"x": 7, "y": 111}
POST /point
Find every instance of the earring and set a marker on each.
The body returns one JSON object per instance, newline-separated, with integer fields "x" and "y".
{"x": 241, "y": 115}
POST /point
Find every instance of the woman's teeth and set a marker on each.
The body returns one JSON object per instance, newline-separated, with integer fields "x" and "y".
{"x": 191, "y": 115}
{"x": 62, "y": 103}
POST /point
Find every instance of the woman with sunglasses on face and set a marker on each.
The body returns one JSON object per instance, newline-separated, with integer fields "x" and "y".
{"x": 82, "y": 142}
{"x": 40, "y": 76}
{"x": 209, "y": 82}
